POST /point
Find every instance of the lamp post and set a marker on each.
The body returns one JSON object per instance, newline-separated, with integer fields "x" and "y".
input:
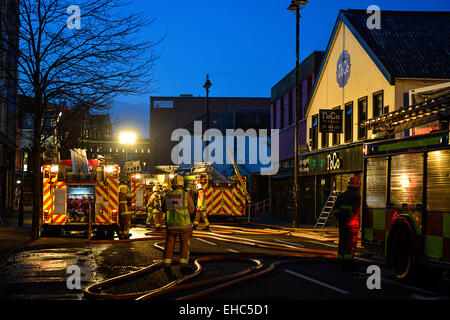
{"x": 207, "y": 85}
{"x": 296, "y": 6}
{"x": 127, "y": 138}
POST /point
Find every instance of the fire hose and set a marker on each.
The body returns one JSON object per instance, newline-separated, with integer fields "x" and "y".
{"x": 283, "y": 251}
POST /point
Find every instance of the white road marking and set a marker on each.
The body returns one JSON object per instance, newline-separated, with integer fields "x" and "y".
{"x": 206, "y": 241}
{"x": 323, "y": 284}
{"x": 322, "y": 243}
{"x": 231, "y": 250}
{"x": 289, "y": 243}
{"x": 408, "y": 286}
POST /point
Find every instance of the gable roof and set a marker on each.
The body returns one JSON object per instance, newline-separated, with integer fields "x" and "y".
{"x": 409, "y": 44}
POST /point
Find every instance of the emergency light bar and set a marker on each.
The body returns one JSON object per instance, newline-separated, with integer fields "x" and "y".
{"x": 54, "y": 168}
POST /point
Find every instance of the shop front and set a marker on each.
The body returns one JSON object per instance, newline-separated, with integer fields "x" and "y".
{"x": 322, "y": 172}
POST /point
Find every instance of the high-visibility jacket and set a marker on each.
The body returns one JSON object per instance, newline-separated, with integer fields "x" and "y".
{"x": 201, "y": 203}
{"x": 177, "y": 212}
{"x": 347, "y": 208}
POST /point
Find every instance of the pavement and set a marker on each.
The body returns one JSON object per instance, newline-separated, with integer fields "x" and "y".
{"x": 14, "y": 239}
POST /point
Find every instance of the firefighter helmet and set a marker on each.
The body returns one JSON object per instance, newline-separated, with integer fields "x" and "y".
{"x": 199, "y": 186}
{"x": 123, "y": 188}
{"x": 165, "y": 185}
{"x": 354, "y": 182}
{"x": 178, "y": 180}
{"x": 156, "y": 188}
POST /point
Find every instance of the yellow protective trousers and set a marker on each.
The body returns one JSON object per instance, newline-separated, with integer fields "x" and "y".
{"x": 184, "y": 235}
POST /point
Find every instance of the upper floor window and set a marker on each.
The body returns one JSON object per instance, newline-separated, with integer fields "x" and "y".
{"x": 336, "y": 136}
{"x": 377, "y": 104}
{"x": 274, "y": 115}
{"x": 362, "y": 116}
{"x": 348, "y": 131}
{"x": 314, "y": 134}
{"x": 291, "y": 107}
{"x": 282, "y": 113}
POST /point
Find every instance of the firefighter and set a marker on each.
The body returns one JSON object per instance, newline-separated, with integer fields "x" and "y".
{"x": 201, "y": 208}
{"x": 178, "y": 205}
{"x": 347, "y": 213}
{"x": 125, "y": 212}
{"x": 155, "y": 206}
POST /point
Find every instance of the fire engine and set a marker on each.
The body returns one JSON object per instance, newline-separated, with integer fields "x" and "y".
{"x": 141, "y": 188}
{"x": 224, "y": 196}
{"x": 406, "y": 202}
{"x": 71, "y": 196}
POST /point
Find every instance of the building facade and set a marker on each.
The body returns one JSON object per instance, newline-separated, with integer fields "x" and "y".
{"x": 283, "y": 96}
{"x": 170, "y": 113}
{"x": 9, "y": 23}
{"x": 366, "y": 74}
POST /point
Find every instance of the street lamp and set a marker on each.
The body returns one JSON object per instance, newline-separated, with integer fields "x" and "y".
{"x": 296, "y": 6}
{"x": 207, "y": 85}
{"x": 127, "y": 138}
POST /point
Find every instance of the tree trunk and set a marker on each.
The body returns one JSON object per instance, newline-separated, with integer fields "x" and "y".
{"x": 36, "y": 164}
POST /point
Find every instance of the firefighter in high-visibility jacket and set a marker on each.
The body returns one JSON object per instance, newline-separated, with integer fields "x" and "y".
{"x": 201, "y": 208}
{"x": 346, "y": 209}
{"x": 178, "y": 205}
{"x": 125, "y": 212}
{"x": 155, "y": 206}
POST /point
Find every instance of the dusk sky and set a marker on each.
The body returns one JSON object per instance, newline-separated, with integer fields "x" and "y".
{"x": 246, "y": 46}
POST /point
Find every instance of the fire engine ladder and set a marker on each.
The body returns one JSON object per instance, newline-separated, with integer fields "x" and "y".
{"x": 326, "y": 210}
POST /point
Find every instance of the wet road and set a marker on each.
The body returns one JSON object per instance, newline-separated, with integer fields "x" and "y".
{"x": 46, "y": 274}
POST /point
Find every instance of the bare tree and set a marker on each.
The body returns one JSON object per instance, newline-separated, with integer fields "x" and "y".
{"x": 83, "y": 55}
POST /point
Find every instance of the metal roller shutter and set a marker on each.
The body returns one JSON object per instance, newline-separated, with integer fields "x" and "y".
{"x": 438, "y": 181}
{"x": 407, "y": 179}
{"x": 376, "y": 182}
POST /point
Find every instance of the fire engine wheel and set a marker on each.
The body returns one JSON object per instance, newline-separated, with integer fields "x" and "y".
{"x": 402, "y": 255}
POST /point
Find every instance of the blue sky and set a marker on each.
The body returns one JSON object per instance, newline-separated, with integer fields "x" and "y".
{"x": 246, "y": 46}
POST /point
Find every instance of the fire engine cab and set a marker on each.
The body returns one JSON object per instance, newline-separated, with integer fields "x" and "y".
{"x": 80, "y": 194}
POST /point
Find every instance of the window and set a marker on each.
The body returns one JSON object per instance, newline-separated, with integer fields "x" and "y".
{"x": 314, "y": 136}
{"x": 377, "y": 104}
{"x": 336, "y": 136}
{"x": 362, "y": 116}
{"x": 290, "y": 108}
{"x": 274, "y": 115}
{"x": 348, "y": 131}
{"x": 325, "y": 139}
{"x": 282, "y": 113}
{"x": 309, "y": 86}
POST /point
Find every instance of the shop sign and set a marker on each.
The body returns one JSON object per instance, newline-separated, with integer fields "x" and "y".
{"x": 304, "y": 165}
{"x": 330, "y": 121}
{"x": 334, "y": 162}
{"x": 343, "y": 69}
{"x": 344, "y": 159}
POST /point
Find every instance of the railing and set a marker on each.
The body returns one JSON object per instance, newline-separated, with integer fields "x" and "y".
{"x": 260, "y": 206}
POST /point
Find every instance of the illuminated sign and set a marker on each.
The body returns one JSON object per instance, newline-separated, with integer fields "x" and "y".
{"x": 343, "y": 69}
{"x": 330, "y": 121}
{"x": 333, "y": 161}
